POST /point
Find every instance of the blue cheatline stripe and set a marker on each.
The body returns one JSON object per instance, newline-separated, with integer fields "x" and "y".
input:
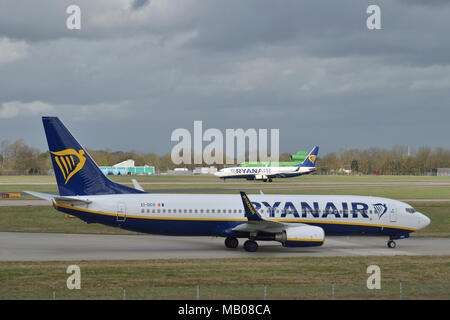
{"x": 217, "y": 227}
{"x": 303, "y": 242}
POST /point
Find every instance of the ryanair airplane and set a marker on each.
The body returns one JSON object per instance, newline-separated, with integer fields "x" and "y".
{"x": 268, "y": 173}
{"x": 292, "y": 220}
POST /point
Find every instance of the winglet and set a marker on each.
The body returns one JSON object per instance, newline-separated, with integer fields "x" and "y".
{"x": 250, "y": 213}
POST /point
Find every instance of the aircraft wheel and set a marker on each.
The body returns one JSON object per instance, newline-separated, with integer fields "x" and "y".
{"x": 270, "y": 180}
{"x": 391, "y": 244}
{"x": 231, "y": 242}
{"x": 250, "y": 246}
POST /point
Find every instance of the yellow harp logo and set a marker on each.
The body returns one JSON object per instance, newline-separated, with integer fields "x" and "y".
{"x": 312, "y": 158}
{"x": 69, "y": 162}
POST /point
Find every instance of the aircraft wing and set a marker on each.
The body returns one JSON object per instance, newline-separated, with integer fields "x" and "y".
{"x": 56, "y": 198}
{"x": 256, "y": 222}
{"x": 279, "y": 175}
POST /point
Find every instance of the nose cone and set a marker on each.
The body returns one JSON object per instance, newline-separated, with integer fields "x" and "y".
{"x": 423, "y": 221}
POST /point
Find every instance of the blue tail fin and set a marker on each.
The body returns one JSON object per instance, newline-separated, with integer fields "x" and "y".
{"x": 311, "y": 158}
{"x": 76, "y": 173}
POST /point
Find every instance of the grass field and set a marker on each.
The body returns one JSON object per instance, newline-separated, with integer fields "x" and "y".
{"x": 285, "y": 278}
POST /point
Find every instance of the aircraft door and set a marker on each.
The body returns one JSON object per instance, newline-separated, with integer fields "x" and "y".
{"x": 393, "y": 214}
{"x": 121, "y": 212}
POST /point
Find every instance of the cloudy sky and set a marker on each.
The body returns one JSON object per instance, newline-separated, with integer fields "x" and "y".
{"x": 139, "y": 69}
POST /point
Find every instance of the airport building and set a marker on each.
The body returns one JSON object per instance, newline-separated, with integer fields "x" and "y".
{"x": 128, "y": 168}
{"x": 440, "y": 172}
{"x": 205, "y": 170}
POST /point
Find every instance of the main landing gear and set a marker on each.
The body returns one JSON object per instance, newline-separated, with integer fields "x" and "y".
{"x": 231, "y": 242}
{"x": 249, "y": 245}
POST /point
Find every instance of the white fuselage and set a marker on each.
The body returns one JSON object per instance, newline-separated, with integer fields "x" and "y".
{"x": 204, "y": 214}
{"x": 262, "y": 172}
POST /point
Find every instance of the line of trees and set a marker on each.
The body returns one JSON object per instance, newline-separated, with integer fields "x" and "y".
{"x": 398, "y": 160}
{"x": 19, "y": 158}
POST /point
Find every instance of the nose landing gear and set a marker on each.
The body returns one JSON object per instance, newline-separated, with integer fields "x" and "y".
{"x": 391, "y": 244}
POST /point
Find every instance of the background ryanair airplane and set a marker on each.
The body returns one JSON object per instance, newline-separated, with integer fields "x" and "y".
{"x": 293, "y": 220}
{"x": 268, "y": 173}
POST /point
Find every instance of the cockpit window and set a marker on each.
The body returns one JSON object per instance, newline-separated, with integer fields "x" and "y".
{"x": 410, "y": 210}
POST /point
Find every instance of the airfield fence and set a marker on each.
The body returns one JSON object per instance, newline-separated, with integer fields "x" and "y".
{"x": 333, "y": 291}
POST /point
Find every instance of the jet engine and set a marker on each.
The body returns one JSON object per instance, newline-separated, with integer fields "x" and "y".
{"x": 302, "y": 236}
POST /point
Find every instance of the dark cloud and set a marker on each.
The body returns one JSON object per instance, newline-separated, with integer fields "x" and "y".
{"x": 310, "y": 68}
{"x": 139, "y": 4}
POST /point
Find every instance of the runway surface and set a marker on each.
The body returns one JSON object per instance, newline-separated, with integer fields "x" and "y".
{"x": 18, "y": 246}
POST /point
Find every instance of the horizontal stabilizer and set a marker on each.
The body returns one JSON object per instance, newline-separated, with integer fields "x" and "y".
{"x": 56, "y": 198}
{"x": 41, "y": 195}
